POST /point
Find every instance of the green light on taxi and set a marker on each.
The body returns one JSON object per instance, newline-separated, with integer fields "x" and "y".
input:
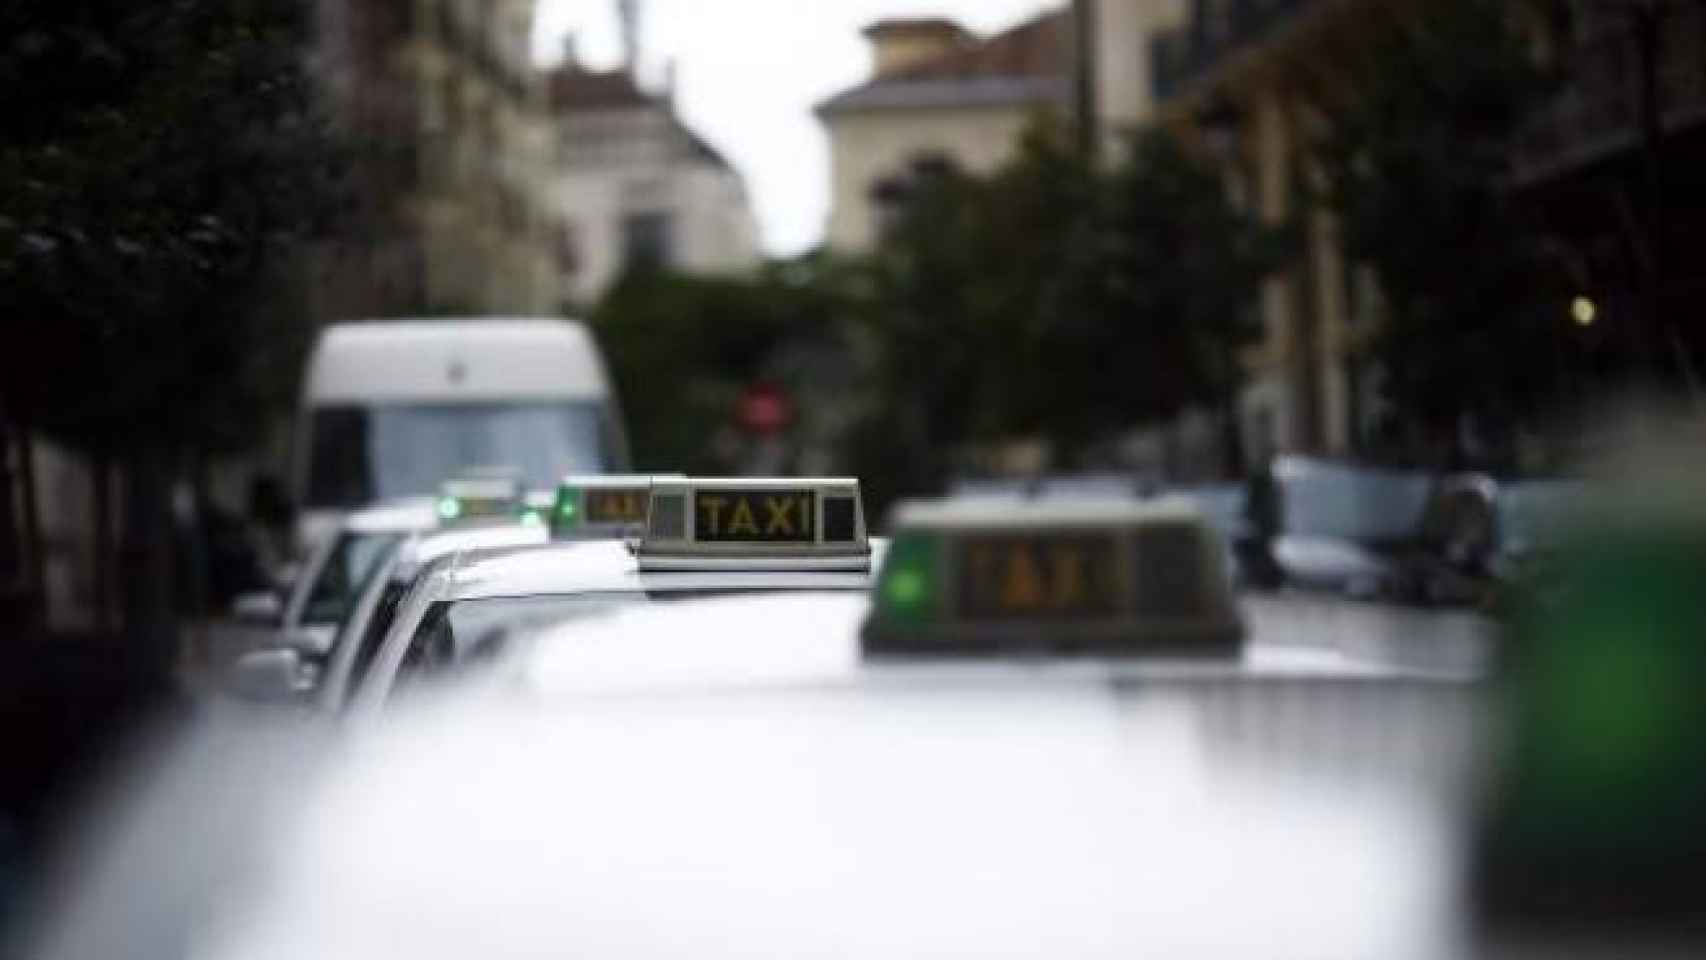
{"x": 568, "y": 505}
{"x": 906, "y": 591}
{"x": 449, "y": 508}
{"x": 566, "y": 512}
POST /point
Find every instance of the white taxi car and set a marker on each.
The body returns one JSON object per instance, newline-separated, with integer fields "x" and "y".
{"x": 306, "y": 618}
{"x": 703, "y": 537}
{"x": 733, "y": 773}
{"x": 375, "y": 547}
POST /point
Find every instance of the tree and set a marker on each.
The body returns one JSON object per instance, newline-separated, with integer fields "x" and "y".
{"x": 1415, "y": 160}
{"x": 1181, "y": 271}
{"x": 681, "y": 349}
{"x": 1052, "y": 299}
{"x": 162, "y": 164}
{"x": 979, "y": 304}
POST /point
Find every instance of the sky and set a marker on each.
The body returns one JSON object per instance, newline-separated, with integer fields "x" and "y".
{"x": 749, "y": 72}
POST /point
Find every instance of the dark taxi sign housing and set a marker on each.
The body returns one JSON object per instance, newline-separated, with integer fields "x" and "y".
{"x": 493, "y": 496}
{"x": 1114, "y": 577}
{"x": 747, "y": 523}
{"x": 601, "y": 506}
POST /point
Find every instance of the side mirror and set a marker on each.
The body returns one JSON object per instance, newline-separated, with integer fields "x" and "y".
{"x": 313, "y": 643}
{"x": 284, "y": 577}
{"x": 276, "y": 676}
{"x": 260, "y": 609}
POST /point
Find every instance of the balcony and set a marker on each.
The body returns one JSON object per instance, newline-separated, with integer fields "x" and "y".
{"x": 1217, "y": 28}
{"x": 1595, "y": 115}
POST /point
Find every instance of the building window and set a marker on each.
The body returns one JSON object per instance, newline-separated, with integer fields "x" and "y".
{"x": 889, "y": 196}
{"x": 647, "y": 241}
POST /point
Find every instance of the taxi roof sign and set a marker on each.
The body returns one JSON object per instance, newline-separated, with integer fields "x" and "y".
{"x": 1107, "y": 577}
{"x": 602, "y": 506}
{"x": 746, "y": 523}
{"x": 485, "y": 496}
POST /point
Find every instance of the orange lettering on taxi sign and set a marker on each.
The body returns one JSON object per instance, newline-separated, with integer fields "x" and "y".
{"x": 1038, "y": 576}
{"x": 733, "y": 516}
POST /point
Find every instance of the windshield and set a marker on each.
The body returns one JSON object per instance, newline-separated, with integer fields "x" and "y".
{"x": 340, "y": 581}
{"x": 361, "y": 454}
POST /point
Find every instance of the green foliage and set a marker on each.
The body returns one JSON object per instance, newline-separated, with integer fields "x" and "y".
{"x": 1415, "y": 162}
{"x": 1052, "y": 299}
{"x": 1182, "y": 269}
{"x": 162, "y": 164}
{"x": 681, "y": 350}
{"x": 1046, "y": 299}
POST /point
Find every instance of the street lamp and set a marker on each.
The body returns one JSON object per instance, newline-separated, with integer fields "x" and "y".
{"x": 1584, "y": 311}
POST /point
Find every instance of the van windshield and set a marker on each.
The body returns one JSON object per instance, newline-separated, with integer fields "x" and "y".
{"x": 363, "y": 454}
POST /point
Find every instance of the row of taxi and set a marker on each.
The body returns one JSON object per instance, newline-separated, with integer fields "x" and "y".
{"x": 418, "y": 589}
{"x": 670, "y": 716}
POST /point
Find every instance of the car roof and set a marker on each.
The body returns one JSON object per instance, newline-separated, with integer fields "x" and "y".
{"x": 977, "y": 513}
{"x": 609, "y": 566}
{"x": 959, "y": 811}
{"x": 731, "y": 771}
{"x": 398, "y": 516}
{"x": 805, "y": 637}
{"x": 493, "y": 359}
{"x": 433, "y": 544}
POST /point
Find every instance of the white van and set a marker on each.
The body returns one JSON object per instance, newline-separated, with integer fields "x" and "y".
{"x": 392, "y": 408}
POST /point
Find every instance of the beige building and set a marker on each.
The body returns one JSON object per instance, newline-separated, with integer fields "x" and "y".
{"x": 1122, "y": 39}
{"x": 937, "y": 92}
{"x": 632, "y": 186}
{"x": 1231, "y": 80}
{"x": 450, "y": 120}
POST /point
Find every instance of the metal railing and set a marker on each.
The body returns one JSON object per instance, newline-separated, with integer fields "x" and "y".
{"x": 1597, "y": 110}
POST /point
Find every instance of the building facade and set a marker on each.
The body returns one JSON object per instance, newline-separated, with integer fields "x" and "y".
{"x": 1308, "y": 388}
{"x": 633, "y": 187}
{"x": 1119, "y": 37}
{"x": 1581, "y": 167}
{"x": 938, "y": 93}
{"x": 449, "y": 123}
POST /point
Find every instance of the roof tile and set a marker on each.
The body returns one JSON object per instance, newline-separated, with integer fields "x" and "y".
{"x": 1029, "y": 62}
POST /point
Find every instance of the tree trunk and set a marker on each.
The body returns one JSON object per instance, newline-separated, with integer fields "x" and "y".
{"x": 198, "y": 582}
{"x": 1232, "y": 434}
{"x": 102, "y": 467}
{"x": 35, "y": 568}
{"x": 151, "y": 644}
{"x": 12, "y": 556}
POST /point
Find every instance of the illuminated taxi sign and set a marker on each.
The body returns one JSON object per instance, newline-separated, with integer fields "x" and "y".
{"x": 603, "y": 506}
{"x": 748, "y": 523}
{"x": 1115, "y": 576}
{"x": 484, "y": 499}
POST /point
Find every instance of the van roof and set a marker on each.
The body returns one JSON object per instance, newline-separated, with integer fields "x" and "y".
{"x": 465, "y": 359}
